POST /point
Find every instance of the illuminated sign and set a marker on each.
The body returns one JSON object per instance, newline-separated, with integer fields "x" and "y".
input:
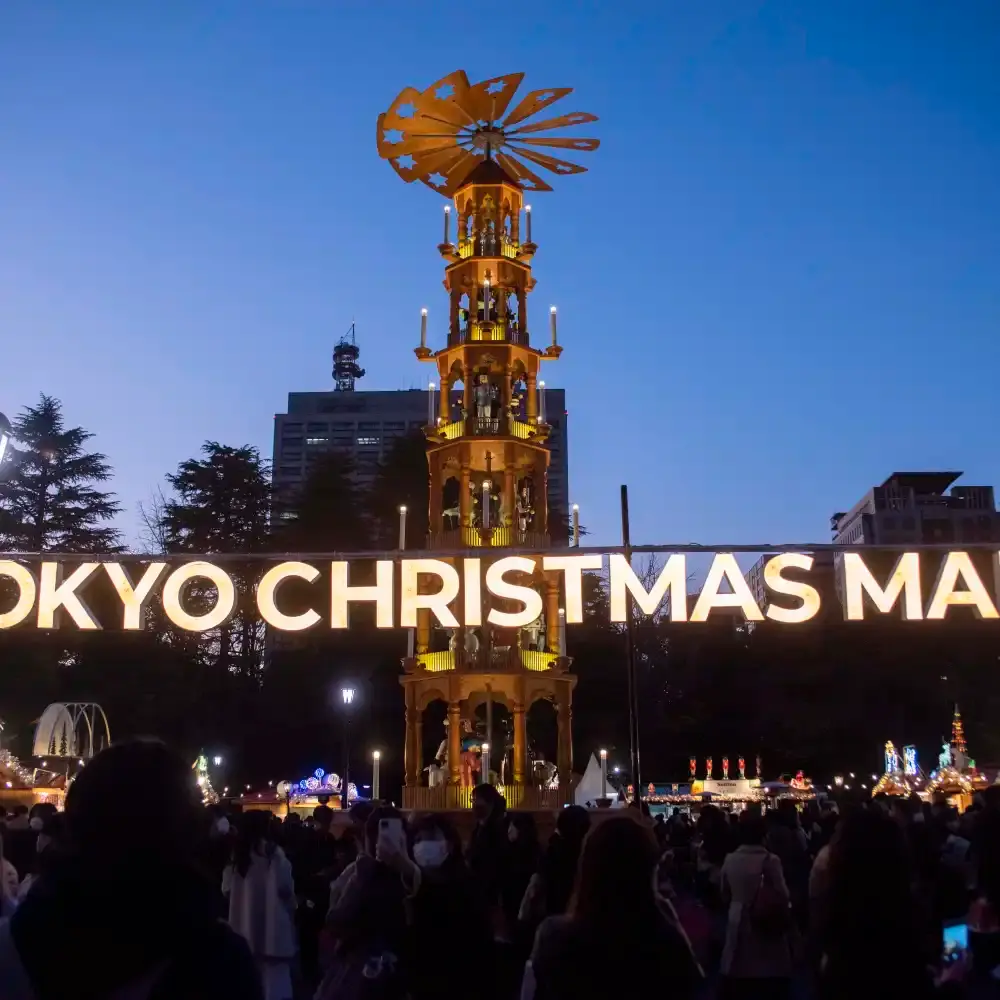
{"x": 451, "y": 592}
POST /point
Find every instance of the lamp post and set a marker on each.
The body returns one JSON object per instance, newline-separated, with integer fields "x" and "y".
{"x": 347, "y": 694}
{"x": 5, "y": 435}
{"x": 604, "y": 774}
{"x": 376, "y": 757}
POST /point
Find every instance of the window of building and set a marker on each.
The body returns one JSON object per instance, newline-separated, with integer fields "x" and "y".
{"x": 342, "y": 425}
{"x": 370, "y": 425}
{"x": 316, "y": 428}
{"x": 292, "y": 442}
{"x": 342, "y": 442}
{"x": 290, "y": 472}
{"x": 368, "y": 441}
{"x": 335, "y": 406}
{"x": 291, "y": 427}
{"x": 289, "y": 455}
{"x": 316, "y": 440}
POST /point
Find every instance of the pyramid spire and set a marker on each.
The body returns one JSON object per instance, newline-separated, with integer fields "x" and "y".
{"x": 958, "y": 733}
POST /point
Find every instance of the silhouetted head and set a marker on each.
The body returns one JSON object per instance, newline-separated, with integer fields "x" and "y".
{"x": 134, "y": 801}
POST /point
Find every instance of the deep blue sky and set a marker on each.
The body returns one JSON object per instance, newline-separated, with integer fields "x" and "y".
{"x": 777, "y": 284}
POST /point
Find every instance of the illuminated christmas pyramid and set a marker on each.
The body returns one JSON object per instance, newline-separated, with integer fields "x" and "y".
{"x": 958, "y": 745}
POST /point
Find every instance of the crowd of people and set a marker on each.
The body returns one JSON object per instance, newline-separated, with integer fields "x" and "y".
{"x": 138, "y": 892}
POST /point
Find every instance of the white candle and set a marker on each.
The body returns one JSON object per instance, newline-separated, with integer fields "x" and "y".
{"x": 604, "y": 774}
{"x": 562, "y": 631}
{"x": 376, "y": 758}
{"x": 486, "y": 503}
{"x": 527, "y": 218}
{"x": 447, "y": 223}
{"x": 486, "y": 300}
{"x": 402, "y": 527}
{"x": 541, "y": 402}
{"x": 484, "y": 765}
{"x": 430, "y": 404}
{"x": 423, "y": 327}
{"x": 552, "y": 323}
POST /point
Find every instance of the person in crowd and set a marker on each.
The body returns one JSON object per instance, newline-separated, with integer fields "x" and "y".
{"x": 261, "y": 893}
{"x": 19, "y": 844}
{"x": 549, "y": 890}
{"x": 125, "y": 912}
{"x": 8, "y": 884}
{"x": 447, "y": 907}
{"x": 786, "y": 838}
{"x": 523, "y": 855}
{"x": 49, "y": 846}
{"x": 870, "y": 904}
{"x": 757, "y": 955}
{"x": 368, "y": 922}
{"x": 615, "y": 922}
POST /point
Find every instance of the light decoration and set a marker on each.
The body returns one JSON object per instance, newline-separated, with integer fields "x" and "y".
{"x": 893, "y": 781}
{"x": 11, "y": 764}
{"x": 910, "y": 761}
{"x": 891, "y": 758}
{"x": 208, "y": 794}
{"x": 958, "y": 744}
{"x": 320, "y": 782}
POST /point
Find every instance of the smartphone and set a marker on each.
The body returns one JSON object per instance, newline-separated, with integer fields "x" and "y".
{"x": 392, "y": 835}
{"x": 954, "y": 943}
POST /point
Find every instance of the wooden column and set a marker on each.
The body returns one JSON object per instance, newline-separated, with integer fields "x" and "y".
{"x": 532, "y": 381}
{"x": 423, "y": 630}
{"x": 522, "y": 316}
{"x": 467, "y": 391}
{"x": 454, "y": 743}
{"x": 444, "y": 403}
{"x": 453, "y": 326}
{"x": 552, "y": 615}
{"x": 564, "y": 745}
{"x": 465, "y": 495}
{"x": 520, "y": 745}
{"x": 509, "y": 486}
{"x": 410, "y": 753}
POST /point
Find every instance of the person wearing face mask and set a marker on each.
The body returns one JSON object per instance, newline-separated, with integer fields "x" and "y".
{"x": 48, "y": 848}
{"x": 446, "y": 907}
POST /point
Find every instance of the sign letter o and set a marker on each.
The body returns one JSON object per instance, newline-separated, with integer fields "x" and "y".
{"x": 178, "y": 580}
{"x": 26, "y": 592}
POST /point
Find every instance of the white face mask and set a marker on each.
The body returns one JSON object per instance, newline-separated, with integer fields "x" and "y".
{"x": 36, "y": 824}
{"x": 430, "y": 853}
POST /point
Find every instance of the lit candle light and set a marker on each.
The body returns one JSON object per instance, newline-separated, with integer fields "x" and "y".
{"x": 423, "y": 327}
{"x": 376, "y": 758}
{"x": 447, "y": 232}
{"x": 552, "y": 323}
{"x": 430, "y": 404}
{"x": 486, "y": 503}
{"x": 604, "y": 774}
{"x": 402, "y": 527}
{"x": 527, "y": 218}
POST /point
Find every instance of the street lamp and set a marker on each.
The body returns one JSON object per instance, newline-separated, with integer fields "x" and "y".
{"x": 376, "y": 757}
{"x": 5, "y": 435}
{"x": 347, "y": 694}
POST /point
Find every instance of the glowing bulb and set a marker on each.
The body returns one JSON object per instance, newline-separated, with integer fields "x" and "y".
{"x": 552, "y": 309}
{"x": 402, "y": 508}
{"x": 423, "y": 312}
{"x": 604, "y": 755}
{"x": 376, "y": 755}
{"x": 576, "y": 506}
{"x": 527, "y": 208}
{"x": 486, "y": 747}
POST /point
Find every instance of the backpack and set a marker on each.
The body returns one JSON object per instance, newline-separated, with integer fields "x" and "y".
{"x": 769, "y": 913}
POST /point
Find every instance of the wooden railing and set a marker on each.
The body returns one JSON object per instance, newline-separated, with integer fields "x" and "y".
{"x": 473, "y": 538}
{"x": 507, "y": 333}
{"x": 506, "y": 659}
{"x": 479, "y": 247}
{"x": 499, "y": 426}
{"x": 423, "y": 799}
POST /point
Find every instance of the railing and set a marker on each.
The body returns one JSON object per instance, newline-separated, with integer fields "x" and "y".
{"x": 424, "y": 799}
{"x": 499, "y": 659}
{"x": 486, "y": 246}
{"x": 502, "y": 424}
{"x": 436, "y": 662}
{"x": 472, "y": 537}
{"x": 475, "y": 332}
{"x": 531, "y": 659}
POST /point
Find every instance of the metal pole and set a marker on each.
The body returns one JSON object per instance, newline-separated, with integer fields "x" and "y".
{"x": 633, "y": 703}
{"x": 344, "y": 803}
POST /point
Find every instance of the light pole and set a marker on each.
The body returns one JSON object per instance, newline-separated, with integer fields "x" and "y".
{"x": 347, "y": 694}
{"x": 5, "y": 436}
{"x": 376, "y": 757}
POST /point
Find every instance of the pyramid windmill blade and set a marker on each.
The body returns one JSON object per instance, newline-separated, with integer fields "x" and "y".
{"x": 448, "y": 108}
{"x": 526, "y": 178}
{"x": 483, "y": 105}
{"x": 563, "y": 121}
{"x": 407, "y": 97}
{"x": 559, "y": 142}
{"x": 557, "y": 166}
{"x": 535, "y": 102}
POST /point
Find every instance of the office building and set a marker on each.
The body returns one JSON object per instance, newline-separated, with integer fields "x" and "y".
{"x": 364, "y": 424}
{"x": 913, "y": 507}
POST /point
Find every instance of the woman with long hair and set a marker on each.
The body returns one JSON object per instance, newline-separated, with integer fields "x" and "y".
{"x": 261, "y": 895}
{"x": 615, "y": 922}
{"x": 871, "y": 912}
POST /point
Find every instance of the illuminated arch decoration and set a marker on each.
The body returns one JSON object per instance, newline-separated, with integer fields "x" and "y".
{"x": 71, "y": 729}
{"x": 320, "y": 782}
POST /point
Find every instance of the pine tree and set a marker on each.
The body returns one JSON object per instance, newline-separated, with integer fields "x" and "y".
{"x": 329, "y": 513}
{"x": 221, "y": 503}
{"x": 48, "y": 500}
{"x": 401, "y": 480}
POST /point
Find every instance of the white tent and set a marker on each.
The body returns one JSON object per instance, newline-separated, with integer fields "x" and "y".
{"x": 589, "y": 787}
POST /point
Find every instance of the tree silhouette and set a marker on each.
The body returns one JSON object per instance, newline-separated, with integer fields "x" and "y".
{"x": 401, "y": 480}
{"x": 48, "y": 502}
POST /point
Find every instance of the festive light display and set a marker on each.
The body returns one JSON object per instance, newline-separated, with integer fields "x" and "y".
{"x": 891, "y": 758}
{"x": 910, "y": 761}
{"x": 958, "y": 733}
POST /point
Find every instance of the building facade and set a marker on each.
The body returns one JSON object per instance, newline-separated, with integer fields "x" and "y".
{"x": 364, "y": 423}
{"x": 914, "y": 507}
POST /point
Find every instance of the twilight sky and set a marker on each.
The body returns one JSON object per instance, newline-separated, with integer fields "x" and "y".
{"x": 777, "y": 284}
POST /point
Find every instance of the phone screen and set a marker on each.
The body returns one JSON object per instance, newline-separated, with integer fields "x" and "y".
{"x": 955, "y": 943}
{"x": 392, "y": 835}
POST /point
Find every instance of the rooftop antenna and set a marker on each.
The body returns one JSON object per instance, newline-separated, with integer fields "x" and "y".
{"x": 346, "y": 369}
